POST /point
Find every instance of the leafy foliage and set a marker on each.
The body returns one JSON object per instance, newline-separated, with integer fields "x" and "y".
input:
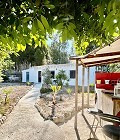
{"x": 24, "y": 20}
{"x": 47, "y": 80}
{"x": 58, "y": 50}
{"x": 55, "y": 90}
{"x": 45, "y": 90}
{"x": 85, "y": 21}
{"x": 30, "y": 57}
{"x": 61, "y": 78}
{"x": 7, "y": 92}
{"x": 114, "y": 67}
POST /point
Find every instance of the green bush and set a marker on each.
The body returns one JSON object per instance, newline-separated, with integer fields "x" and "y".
{"x": 5, "y": 78}
{"x": 45, "y": 90}
{"x": 29, "y": 83}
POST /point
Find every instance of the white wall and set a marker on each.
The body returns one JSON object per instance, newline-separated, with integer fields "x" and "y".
{"x": 33, "y": 73}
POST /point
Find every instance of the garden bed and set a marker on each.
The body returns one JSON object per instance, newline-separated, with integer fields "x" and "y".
{"x": 17, "y": 91}
{"x": 64, "y": 109}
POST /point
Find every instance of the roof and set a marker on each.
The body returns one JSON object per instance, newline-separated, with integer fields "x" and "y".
{"x": 111, "y": 49}
{"x": 100, "y": 56}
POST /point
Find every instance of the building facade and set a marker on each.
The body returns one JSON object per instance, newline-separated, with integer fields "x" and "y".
{"x": 34, "y": 74}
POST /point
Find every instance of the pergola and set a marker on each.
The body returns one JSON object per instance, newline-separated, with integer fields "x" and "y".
{"x": 100, "y": 56}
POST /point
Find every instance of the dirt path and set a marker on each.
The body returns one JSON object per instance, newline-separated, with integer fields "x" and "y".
{"x": 25, "y": 123}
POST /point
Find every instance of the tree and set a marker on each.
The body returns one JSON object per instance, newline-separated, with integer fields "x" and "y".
{"x": 59, "y": 55}
{"x": 61, "y": 78}
{"x": 22, "y": 21}
{"x": 41, "y": 56}
{"x": 47, "y": 77}
{"x": 32, "y": 56}
{"x": 24, "y": 59}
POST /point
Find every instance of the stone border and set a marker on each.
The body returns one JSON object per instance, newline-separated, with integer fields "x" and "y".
{"x": 59, "y": 120}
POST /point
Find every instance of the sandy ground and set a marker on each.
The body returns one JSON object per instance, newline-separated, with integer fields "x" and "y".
{"x": 25, "y": 122}
{"x": 84, "y": 125}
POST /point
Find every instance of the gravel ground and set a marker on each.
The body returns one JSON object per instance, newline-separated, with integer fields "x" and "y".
{"x": 83, "y": 132}
{"x": 25, "y": 123}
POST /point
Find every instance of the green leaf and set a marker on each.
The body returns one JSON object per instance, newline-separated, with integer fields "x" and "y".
{"x": 114, "y": 6}
{"x": 3, "y": 40}
{"x": 46, "y": 2}
{"x": 37, "y": 2}
{"x": 108, "y": 19}
{"x": 64, "y": 35}
{"x": 109, "y": 6}
{"x": 36, "y": 42}
{"x": 45, "y": 22}
{"x": 40, "y": 26}
{"x": 73, "y": 33}
{"x": 34, "y": 27}
{"x": 20, "y": 47}
{"x": 50, "y": 6}
{"x": 26, "y": 19}
{"x": 60, "y": 26}
{"x": 72, "y": 25}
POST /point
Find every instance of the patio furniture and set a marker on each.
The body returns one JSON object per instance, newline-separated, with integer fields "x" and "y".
{"x": 96, "y": 120}
{"x": 112, "y": 131}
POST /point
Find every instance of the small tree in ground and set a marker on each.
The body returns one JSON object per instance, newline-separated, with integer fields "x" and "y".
{"x": 55, "y": 90}
{"x": 47, "y": 80}
{"x": 69, "y": 90}
{"x": 7, "y": 92}
{"x": 61, "y": 78}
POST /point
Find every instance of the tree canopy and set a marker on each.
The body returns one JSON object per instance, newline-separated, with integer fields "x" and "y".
{"x": 84, "y": 20}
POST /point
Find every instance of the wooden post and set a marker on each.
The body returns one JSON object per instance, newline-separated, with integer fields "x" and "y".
{"x": 76, "y": 94}
{"x": 88, "y": 88}
{"x": 83, "y": 73}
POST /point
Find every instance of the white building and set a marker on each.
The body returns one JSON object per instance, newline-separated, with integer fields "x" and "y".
{"x": 34, "y": 74}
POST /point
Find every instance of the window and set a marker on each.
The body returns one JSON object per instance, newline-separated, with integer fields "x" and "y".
{"x": 72, "y": 74}
{"x": 53, "y": 74}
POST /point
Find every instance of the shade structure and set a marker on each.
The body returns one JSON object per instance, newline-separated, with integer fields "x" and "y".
{"x": 88, "y": 62}
{"x": 109, "y": 50}
{"x": 100, "y": 56}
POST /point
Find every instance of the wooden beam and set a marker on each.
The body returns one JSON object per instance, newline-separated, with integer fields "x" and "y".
{"x": 83, "y": 73}
{"x": 103, "y": 63}
{"x": 88, "y": 88}
{"x": 76, "y": 94}
{"x": 98, "y": 60}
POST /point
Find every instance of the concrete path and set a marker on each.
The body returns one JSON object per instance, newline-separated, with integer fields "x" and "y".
{"x": 25, "y": 123}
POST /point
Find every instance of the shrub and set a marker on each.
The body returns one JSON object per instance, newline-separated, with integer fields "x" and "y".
{"x": 5, "y": 78}
{"x": 29, "y": 83}
{"x": 6, "y": 92}
{"x": 45, "y": 90}
{"x": 47, "y": 80}
{"x": 61, "y": 78}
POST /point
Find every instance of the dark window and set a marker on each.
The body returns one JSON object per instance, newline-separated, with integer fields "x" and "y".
{"x": 27, "y": 76}
{"x": 72, "y": 73}
{"x": 53, "y": 74}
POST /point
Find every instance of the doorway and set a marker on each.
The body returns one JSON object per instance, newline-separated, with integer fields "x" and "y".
{"x": 27, "y": 76}
{"x": 39, "y": 76}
